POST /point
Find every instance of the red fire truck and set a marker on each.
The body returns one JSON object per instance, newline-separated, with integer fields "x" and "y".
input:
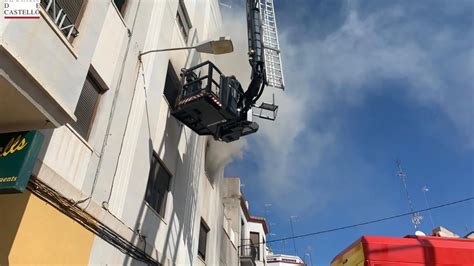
{"x": 407, "y": 251}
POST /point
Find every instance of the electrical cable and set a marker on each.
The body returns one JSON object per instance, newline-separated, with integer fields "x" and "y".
{"x": 123, "y": 138}
{"x": 129, "y": 110}
{"x": 70, "y": 209}
{"x": 146, "y": 98}
{"x": 114, "y": 103}
{"x": 366, "y": 223}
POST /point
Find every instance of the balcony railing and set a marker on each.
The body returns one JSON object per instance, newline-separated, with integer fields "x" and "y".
{"x": 64, "y": 14}
{"x": 247, "y": 250}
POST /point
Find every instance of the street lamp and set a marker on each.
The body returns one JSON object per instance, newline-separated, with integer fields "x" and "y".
{"x": 223, "y": 45}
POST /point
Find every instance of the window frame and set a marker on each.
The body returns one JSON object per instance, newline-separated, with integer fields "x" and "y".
{"x": 203, "y": 226}
{"x": 100, "y": 89}
{"x": 157, "y": 209}
{"x": 256, "y": 245}
{"x": 123, "y": 9}
{"x": 174, "y": 81}
{"x": 184, "y": 22}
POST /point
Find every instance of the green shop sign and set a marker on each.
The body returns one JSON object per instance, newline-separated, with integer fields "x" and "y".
{"x": 18, "y": 153}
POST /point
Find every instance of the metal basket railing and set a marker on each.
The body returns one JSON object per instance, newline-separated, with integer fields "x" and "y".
{"x": 204, "y": 77}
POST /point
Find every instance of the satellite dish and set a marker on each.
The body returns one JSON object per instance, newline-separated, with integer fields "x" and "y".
{"x": 419, "y": 233}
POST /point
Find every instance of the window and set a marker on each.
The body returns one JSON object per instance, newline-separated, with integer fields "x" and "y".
{"x": 66, "y": 14}
{"x": 87, "y": 106}
{"x": 203, "y": 231}
{"x": 255, "y": 240}
{"x": 183, "y": 20}
{"x": 172, "y": 85}
{"x": 121, "y": 6}
{"x": 158, "y": 186}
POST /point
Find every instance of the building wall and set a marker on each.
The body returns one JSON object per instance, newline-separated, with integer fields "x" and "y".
{"x": 43, "y": 54}
{"x": 289, "y": 260}
{"x": 238, "y": 219}
{"x": 106, "y": 175}
{"x": 34, "y": 232}
{"x": 258, "y": 228}
{"x": 149, "y": 126}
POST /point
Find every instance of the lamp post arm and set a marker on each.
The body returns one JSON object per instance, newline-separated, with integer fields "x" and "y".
{"x": 165, "y": 50}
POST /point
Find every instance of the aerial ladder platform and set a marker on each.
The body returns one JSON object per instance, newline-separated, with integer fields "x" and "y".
{"x": 212, "y": 103}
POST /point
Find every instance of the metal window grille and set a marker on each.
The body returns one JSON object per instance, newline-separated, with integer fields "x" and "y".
{"x": 86, "y": 107}
{"x": 158, "y": 186}
{"x": 183, "y": 20}
{"x": 65, "y": 14}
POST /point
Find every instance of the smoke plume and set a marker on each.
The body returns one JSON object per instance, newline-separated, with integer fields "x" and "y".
{"x": 219, "y": 154}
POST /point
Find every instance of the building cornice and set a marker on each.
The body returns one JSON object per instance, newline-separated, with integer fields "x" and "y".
{"x": 250, "y": 218}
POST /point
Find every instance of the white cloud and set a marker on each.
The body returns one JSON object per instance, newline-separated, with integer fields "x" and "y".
{"x": 343, "y": 67}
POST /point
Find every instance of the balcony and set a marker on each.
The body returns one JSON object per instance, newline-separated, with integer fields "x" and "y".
{"x": 247, "y": 253}
{"x": 42, "y": 65}
{"x": 65, "y": 15}
{"x": 24, "y": 103}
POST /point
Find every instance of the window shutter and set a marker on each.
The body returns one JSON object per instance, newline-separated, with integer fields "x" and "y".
{"x": 86, "y": 107}
{"x": 72, "y": 8}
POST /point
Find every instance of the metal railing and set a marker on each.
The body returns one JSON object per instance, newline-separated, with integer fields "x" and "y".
{"x": 248, "y": 250}
{"x": 60, "y": 18}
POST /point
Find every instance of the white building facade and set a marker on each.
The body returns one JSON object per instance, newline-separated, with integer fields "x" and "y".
{"x": 284, "y": 260}
{"x": 118, "y": 180}
{"x": 250, "y": 230}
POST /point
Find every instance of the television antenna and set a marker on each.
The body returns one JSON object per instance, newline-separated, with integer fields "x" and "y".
{"x": 266, "y": 208}
{"x": 293, "y": 233}
{"x": 415, "y": 216}
{"x": 309, "y": 253}
{"x": 425, "y": 189}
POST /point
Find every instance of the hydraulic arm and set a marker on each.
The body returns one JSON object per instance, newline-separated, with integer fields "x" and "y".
{"x": 256, "y": 55}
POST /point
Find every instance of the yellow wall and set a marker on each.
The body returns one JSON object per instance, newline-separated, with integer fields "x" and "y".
{"x": 352, "y": 257}
{"x": 32, "y": 231}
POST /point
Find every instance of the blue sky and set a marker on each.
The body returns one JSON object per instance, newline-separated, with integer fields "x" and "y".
{"x": 367, "y": 82}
